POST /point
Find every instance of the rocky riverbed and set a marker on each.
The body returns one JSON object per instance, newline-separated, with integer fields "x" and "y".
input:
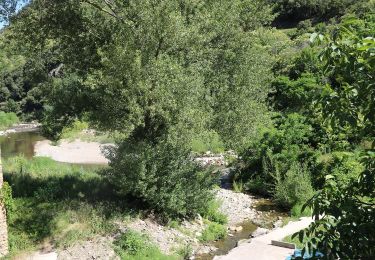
{"x": 238, "y": 207}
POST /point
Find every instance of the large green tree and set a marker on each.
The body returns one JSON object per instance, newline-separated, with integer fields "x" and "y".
{"x": 159, "y": 73}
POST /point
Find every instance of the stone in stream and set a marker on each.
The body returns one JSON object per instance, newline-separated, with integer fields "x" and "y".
{"x": 235, "y": 229}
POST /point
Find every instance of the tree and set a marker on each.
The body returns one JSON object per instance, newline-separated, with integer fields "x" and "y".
{"x": 159, "y": 73}
{"x": 344, "y": 213}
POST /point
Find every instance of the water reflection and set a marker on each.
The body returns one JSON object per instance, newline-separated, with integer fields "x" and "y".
{"x": 19, "y": 144}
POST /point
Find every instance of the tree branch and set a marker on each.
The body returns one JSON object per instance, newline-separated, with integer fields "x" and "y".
{"x": 97, "y": 6}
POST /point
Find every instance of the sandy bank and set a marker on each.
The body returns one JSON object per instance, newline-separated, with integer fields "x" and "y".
{"x": 72, "y": 152}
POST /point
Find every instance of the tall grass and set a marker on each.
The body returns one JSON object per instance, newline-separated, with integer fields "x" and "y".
{"x": 58, "y": 203}
{"x": 7, "y": 120}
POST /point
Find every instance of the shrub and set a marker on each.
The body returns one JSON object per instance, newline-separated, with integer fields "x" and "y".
{"x": 214, "y": 231}
{"x": 162, "y": 175}
{"x": 345, "y": 166}
{"x": 7, "y": 199}
{"x": 7, "y": 119}
{"x": 294, "y": 188}
{"x": 288, "y": 143}
{"x": 296, "y": 211}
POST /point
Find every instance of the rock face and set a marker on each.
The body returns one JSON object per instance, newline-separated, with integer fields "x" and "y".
{"x": 3, "y": 220}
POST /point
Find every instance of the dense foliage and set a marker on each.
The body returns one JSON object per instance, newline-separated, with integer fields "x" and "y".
{"x": 176, "y": 70}
{"x": 168, "y": 77}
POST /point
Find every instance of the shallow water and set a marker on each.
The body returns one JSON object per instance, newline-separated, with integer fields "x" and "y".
{"x": 225, "y": 245}
{"x": 22, "y": 143}
{"x": 270, "y": 213}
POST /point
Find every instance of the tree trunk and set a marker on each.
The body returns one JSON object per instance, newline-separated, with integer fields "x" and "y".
{"x": 3, "y": 220}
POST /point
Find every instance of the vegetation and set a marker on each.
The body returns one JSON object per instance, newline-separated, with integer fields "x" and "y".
{"x": 7, "y": 120}
{"x": 56, "y": 203}
{"x": 135, "y": 246}
{"x": 288, "y": 85}
{"x": 214, "y": 231}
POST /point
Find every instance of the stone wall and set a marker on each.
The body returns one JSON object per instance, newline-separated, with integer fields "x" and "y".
{"x": 3, "y": 220}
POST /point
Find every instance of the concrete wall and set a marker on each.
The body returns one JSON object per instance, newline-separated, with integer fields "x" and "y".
{"x": 3, "y": 220}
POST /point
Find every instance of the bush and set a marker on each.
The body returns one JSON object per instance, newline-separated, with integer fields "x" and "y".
{"x": 163, "y": 176}
{"x": 212, "y": 213}
{"x": 135, "y": 246}
{"x": 288, "y": 143}
{"x": 7, "y": 120}
{"x": 213, "y": 232}
{"x": 7, "y": 199}
{"x": 294, "y": 188}
{"x": 296, "y": 211}
{"x": 345, "y": 166}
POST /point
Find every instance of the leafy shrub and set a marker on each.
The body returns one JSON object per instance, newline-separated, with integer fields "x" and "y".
{"x": 7, "y": 199}
{"x": 7, "y": 119}
{"x": 276, "y": 151}
{"x": 294, "y": 188}
{"x": 296, "y": 211}
{"x": 345, "y": 166}
{"x": 214, "y": 231}
{"x": 163, "y": 176}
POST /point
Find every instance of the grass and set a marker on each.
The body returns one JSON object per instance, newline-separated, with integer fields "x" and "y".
{"x": 238, "y": 187}
{"x": 7, "y": 120}
{"x": 61, "y": 223}
{"x": 58, "y": 204}
{"x": 77, "y": 131}
{"x": 213, "y": 213}
{"x": 136, "y": 246}
{"x": 208, "y": 141}
{"x": 214, "y": 231}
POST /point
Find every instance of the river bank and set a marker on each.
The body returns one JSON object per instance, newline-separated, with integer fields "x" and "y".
{"x": 20, "y": 128}
{"x": 73, "y": 152}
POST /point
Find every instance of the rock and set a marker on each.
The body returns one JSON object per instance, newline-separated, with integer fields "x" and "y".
{"x": 277, "y": 224}
{"x": 239, "y": 228}
{"x": 200, "y": 220}
{"x": 232, "y": 228}
{"x": 259, "y": 232}
{"x": 243, "y": 241}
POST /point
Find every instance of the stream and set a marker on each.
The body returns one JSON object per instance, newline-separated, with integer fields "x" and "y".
{"x": 21, "y": 143}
